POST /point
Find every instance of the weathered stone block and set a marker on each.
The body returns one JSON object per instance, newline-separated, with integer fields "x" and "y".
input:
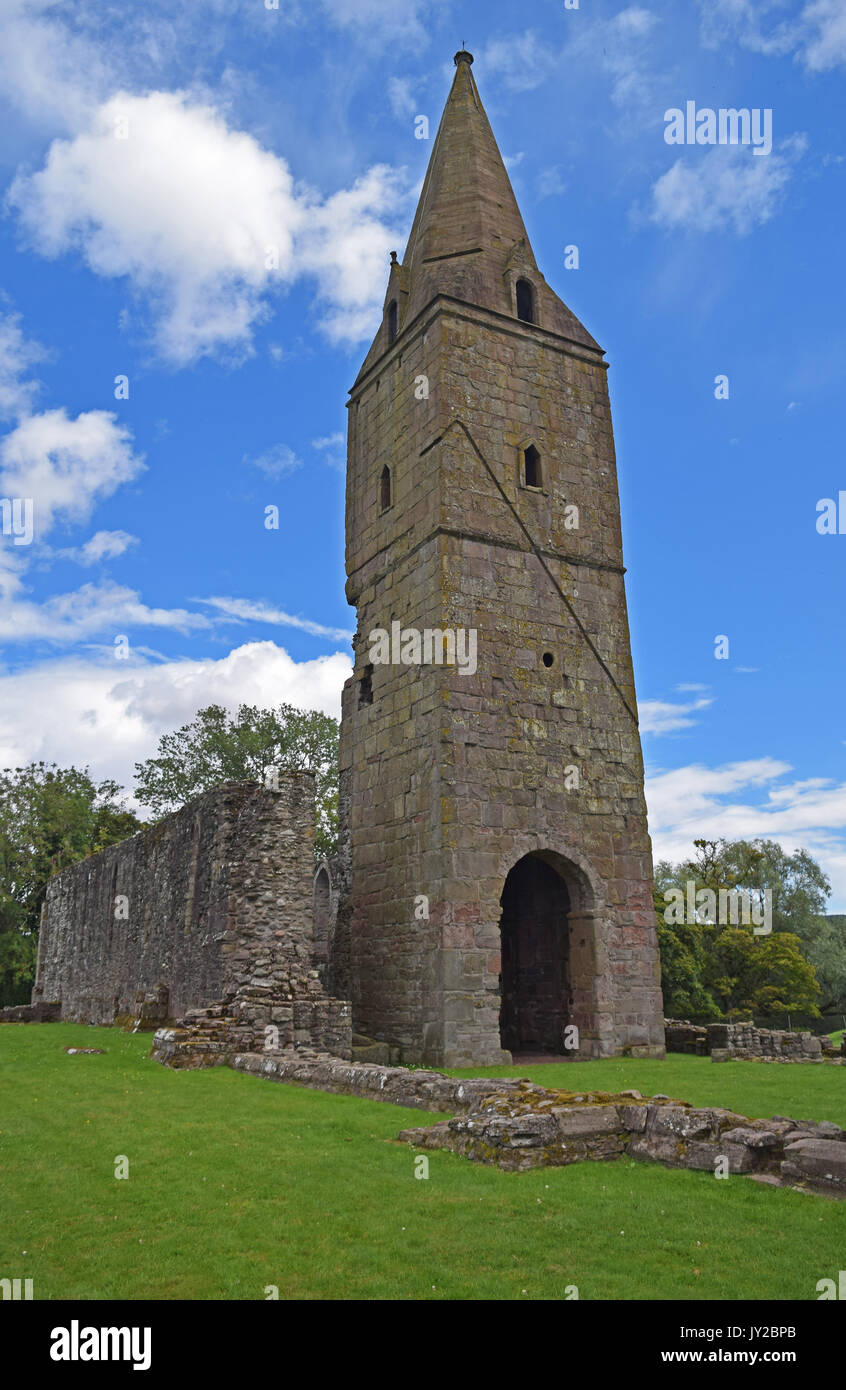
{"x": 586, "y": 1122}
{"x": 820, "y": 1162}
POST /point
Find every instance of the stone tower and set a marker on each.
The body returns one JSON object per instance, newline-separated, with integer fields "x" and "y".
{"x": 496, "y": 894}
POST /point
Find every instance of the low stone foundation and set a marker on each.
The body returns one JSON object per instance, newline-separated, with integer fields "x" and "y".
{"x": 39, "y": 1012}
{"x": 413, "y": 1087}
{"x": 518, "y": 1125}
{"x": 724, "y": 1042}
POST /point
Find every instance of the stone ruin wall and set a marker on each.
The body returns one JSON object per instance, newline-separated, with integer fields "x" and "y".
{"x": 211, "y": 907}
{"x": 744, "y": 1042}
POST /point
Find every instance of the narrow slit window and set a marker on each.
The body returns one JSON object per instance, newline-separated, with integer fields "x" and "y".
{"x": 525, "y": 301}
{"x": 392, "y": 321}
{"x": 365, "y": 687}
{"x": 531, "y": 467}
{"x": 385, "y": 489}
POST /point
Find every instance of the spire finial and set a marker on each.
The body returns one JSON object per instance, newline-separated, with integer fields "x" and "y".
{"x": 462, "y": 56}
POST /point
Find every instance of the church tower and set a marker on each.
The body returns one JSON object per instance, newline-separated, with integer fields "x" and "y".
{"x": 496, "y": 893}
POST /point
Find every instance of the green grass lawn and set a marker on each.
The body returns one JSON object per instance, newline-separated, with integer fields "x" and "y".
{"x": 237, "y": 1183}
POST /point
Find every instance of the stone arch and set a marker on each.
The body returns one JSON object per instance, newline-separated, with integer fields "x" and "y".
{"x": 553, "y": 956}
{"x": 392, "y": 317}
{"x": 582, "y": 882}
{"x": 322, "y": 912}
{"x": 531, "y": 467}
{"x": 525, "y": 300}
{"x": 385, "y": 496}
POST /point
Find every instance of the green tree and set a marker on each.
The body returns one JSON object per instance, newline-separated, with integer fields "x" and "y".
{"x": 706, "y": 960}
{"x": 825, "y": 947}
{"x": 49, "y": 817}
{"x": 798, "y": 885}
{"x": 762, "y": 975}
{"x": 215, "y": 748}
{"x": 684, "y": 957}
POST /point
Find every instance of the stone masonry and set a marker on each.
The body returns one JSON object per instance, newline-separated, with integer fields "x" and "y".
{"x": 496, "y": 881}
{"x": 723, "y": 1042}
{"x": 207, "y": 914}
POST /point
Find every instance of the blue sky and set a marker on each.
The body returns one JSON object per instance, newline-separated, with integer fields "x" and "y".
{"x": 203, "y": 198}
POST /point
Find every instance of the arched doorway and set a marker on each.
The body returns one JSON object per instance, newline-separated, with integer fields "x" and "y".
{"x": 535, "y": 981}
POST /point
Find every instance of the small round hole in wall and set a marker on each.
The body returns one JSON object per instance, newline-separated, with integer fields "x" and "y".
{"x": 548, "y": 659}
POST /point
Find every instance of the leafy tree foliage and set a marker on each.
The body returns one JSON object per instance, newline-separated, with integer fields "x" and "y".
{"x": 713, "y": 969}
{"x": 49, "y": 817}
{"x": 761, "y": 975}
{"x": 215, "y": 748}
{"x": 825, "y": 947}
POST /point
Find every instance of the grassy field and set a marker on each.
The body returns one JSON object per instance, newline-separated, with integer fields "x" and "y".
{"x": 236, "y": 1184}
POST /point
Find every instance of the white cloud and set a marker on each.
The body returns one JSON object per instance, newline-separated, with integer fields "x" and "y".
{"x": 277, "y": 461}
{"x": 521, "y": 61}
{"x": 66, "y": 465}
{"x": 182, "y": 206}
{"x": 252, "y": 611}
{"x": 17, "y": 354}
{"x": 725, "y": 189}
{"x": 816, "y": 36}
{"x": 103, "y": 545}
{"x": 825, "y": 44}
{"x": 381, "y": 21}
{"x": 662, "y": 717}
{"x": 207, "y": 224}
{"x": 47, "y": 70}
{"x": 401, "y": 95}
{"x": 113, "y": 712}
{"x": 624, "y": 42}
{"x": 108, "y": 608}
{"x": 744, "y": 22}
{"x": 83, "y": 613}
{"x": 619, "y": 46}
{"x": 333, "y": 450}
{"x": 549, "y": 182}
{"x": 346, "y": 247}
{"x": 696, "y": 802}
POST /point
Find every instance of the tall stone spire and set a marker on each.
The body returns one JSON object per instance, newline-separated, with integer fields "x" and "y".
{"x": 468, "y": 239}
{"x": 495, "y": 890}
